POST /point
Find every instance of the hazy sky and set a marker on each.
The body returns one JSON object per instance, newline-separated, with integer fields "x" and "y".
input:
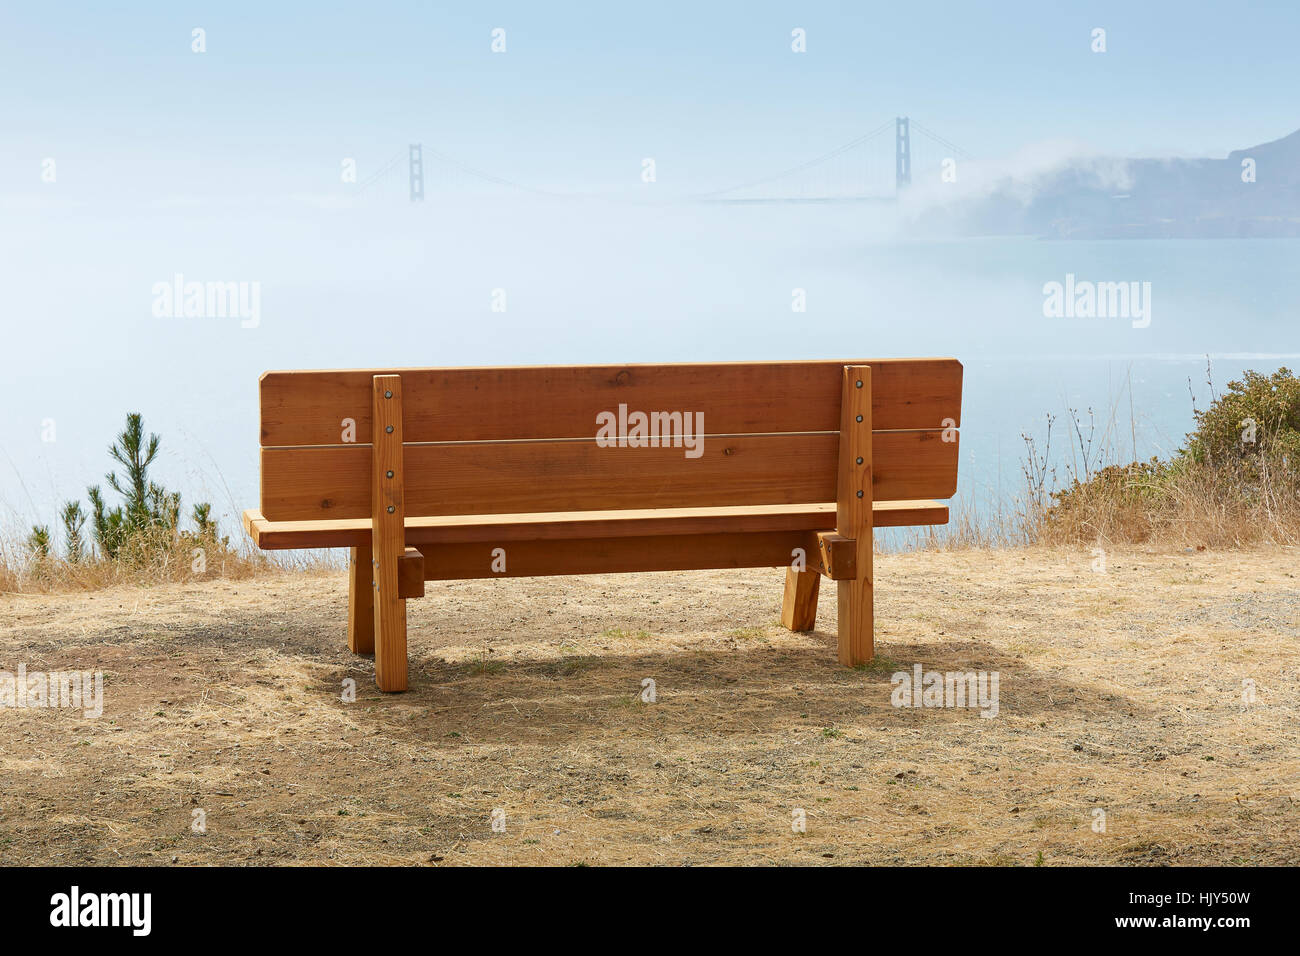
{"x": 585, "y": 90}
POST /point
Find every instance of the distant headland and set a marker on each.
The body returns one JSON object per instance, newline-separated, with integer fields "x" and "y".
{"x": 1252, "y": 193}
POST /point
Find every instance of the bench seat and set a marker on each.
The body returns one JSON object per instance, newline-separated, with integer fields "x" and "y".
{"x": 553, "y": 526}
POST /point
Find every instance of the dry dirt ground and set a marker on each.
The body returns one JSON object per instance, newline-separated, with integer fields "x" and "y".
{"x": 1121, "y": 691}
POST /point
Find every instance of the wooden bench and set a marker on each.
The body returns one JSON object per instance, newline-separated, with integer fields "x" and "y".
{"x": 454, "y": 473}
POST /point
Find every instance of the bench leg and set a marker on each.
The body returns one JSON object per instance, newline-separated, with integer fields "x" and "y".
{"x": 388, "y": 537}
{"x": 856, "y": 619}
{"x": 361, "y": 601}
{"x": 799, "y": 606}
{"x": 390, "y": 633}
{"x": 853, "y": 516}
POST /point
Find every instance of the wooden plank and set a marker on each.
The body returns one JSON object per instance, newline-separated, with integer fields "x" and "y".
{"x": 761, "y": 549}
{"x": 388, "y": 516}
{"x": 361, "y": 597}
{"x": 452, "y": 529}
{"x": 534, "y": 402}
{"x": 578, "y": 475}
{"x": 799, "y": 603}
{"x": 839, "y": 556}
{"x": 410, "y": 574}
{"x": 902, "y": 514}
{"x": 853, "y": 516}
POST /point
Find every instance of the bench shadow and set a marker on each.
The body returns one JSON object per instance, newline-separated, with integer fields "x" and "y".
{"x": 744, "y": 688}
{"x": 742, "y": 691}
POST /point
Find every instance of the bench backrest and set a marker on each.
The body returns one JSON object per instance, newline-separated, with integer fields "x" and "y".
{"x": 523, "y": 439}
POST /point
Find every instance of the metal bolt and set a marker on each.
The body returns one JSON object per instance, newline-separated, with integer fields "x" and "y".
{"x": 391, "y": 509}
{"x": 858, "y": 384}
{"x": 859, "y": 461}
{"x": 390, "y": 394}
{"x": 389, "y": 429}
{"x": 859, "y": 419}
{"x": 390, "y": 474}
{"x": 859, "y": 494}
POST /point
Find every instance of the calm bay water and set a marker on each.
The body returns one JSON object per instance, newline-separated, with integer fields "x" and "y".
{"x": 349, "y": 286}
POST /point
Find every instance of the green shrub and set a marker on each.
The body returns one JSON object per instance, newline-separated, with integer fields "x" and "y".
{"x": 38, "y": 542}
{"x": 147, "y": 520}
{"x": 1235, "y": 481}
{"x": 1257, "y": 420}
{"x": 74, "y": 519}
{"x": 148, "y": 511}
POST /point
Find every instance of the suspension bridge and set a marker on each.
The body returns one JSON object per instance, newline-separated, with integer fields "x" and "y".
{"x": 864, "y": 169}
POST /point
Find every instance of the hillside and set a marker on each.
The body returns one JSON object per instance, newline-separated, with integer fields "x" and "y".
{"x": 1114, "y": 198}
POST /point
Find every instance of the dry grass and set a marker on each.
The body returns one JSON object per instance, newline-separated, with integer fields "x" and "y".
{"x": 1175, "y": 508}
{"x": 1228, "y": 486}
{"x": 973, "y": 524}
{"x": 146, "y": 563}
{"x": 1120, "y": 691}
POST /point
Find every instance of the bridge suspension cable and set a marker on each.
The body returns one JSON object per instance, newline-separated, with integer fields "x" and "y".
{"x": 865, "y": 137}
{"x": 940, "y": 140}
{"x": 383, "y": 171}
{"x": 490, "y": 178}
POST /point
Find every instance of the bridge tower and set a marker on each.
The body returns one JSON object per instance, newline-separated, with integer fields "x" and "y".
{"x": 416, "y": 162}
{"x": 902, "y": 153}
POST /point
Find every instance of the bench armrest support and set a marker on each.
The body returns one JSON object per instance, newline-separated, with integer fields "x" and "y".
{"x": 853, "y": 518}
